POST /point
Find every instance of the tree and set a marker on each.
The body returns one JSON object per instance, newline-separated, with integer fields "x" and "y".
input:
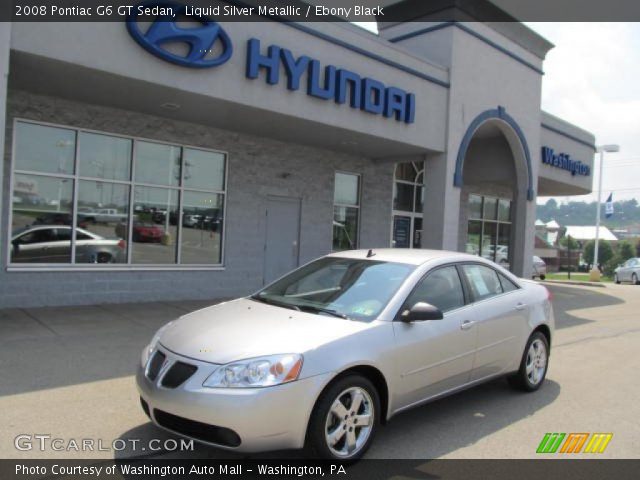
{"x": 570, "y": 243}
{"x": 625, "y": 251}
{"x": 605, "y": 252}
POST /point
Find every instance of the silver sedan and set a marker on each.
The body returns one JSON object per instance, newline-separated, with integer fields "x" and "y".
{"x": 326, "y": 354}
{"x": 629, "y": 271}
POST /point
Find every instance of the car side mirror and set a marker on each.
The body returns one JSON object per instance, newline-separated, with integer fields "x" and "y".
{"x": 421, "y": 312}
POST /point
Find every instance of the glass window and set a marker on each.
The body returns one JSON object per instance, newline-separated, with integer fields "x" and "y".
{"x": 155, "y": 226}
{"x": 406, "y": 171}
{"x": 203, "y": 170}
{"x": 440, "y": 288}
{"x": 345, "y": 228}
{"x": 44, "y": 149}
{"x": 157, "y": 163}
{"x": 346, "y": 213}
{"x": 419, "y": 205}
{"x": 507, "y": 285}
{"x": 488, "y": 246}
{"x": 103, "y": 156}
{"x": 39, "y": 200}
{"x": 107, "y": 204}
{"x": 347, "y": 189}
{"x": 504, "y": 210}
{"x": 502, "y": 248}
{"x": 483, "y": 280}
{"x": 202, "y": 243}
{"x": 403, "y": 197}
{"x": 474, "y": 234}
{"x": 490, "y": 208}
{"x": 475, "y": 206}
{"x": 169, "y": 224}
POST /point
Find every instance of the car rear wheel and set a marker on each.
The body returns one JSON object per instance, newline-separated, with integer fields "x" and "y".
{"x": 534, "y": 364}
{"x": 103, "y": 257}
{"x": 543, "y": 276}
{"x": 344, "y": 420}
{"x": 634, "y": 279}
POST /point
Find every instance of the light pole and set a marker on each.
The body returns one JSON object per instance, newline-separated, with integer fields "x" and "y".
{"x": 594, "y": 275}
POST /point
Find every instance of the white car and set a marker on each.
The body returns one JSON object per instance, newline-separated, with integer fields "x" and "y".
{"x": 325, "y": 355}
{"x": 539, "y": 268}
{"x": 629, "y": 271}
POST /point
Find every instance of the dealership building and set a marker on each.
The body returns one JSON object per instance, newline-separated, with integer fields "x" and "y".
{"x": 205, "y": 164}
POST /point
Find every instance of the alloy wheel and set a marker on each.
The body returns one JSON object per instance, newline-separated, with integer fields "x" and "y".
{"x": 536, "y": 363}
{"x": 349, "y": 422}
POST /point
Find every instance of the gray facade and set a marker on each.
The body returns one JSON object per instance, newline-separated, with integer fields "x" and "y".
{"x": 478, "y": 130}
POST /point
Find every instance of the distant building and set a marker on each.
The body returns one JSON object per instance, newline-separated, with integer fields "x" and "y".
{"x": 586, "y": 233}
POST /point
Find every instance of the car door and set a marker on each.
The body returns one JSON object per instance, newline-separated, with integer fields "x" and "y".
{"x": 60, "y": 249}
{"x": 500, "y": 316}
{"x": 437, "y": 355}
{"x": 630, "y": 267}
{"x": 34, "y": 246}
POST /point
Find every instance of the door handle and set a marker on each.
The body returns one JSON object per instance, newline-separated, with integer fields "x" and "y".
{"x": 466, "y": 325}
{"x": 520, "y": 306}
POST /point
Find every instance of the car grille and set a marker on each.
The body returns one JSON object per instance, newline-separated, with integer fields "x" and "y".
{"x": 155, "y": 365}
{"x": 200, "y": 431}
{"x": 178, "y": 374}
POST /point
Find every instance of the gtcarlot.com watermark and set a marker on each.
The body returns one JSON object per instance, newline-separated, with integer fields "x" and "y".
{"x": 44, "y": 442}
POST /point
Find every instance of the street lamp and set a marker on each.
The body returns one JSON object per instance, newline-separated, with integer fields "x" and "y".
{"x": 594, "y": 275}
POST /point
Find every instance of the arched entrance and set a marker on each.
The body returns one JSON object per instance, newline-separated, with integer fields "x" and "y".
{"x": 493, "y": 170}
{"x": 408, "y": 204}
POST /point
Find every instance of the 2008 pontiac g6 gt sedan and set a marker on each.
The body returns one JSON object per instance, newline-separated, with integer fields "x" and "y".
{"x": 326, "y": 354}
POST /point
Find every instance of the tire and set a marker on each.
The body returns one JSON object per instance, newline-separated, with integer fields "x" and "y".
{"x": 543, "y": 276}
{"x": 103, "y": 257}
{"x": 532, "y": 380}
{"x": 325, "y": 421}
{"x": 616, "y": 279}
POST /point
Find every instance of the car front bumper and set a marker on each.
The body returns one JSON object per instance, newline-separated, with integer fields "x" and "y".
{"x": 269, "y": 418}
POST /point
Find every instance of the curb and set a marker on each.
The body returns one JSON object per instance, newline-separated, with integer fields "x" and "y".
{"x": 576, "y": 282}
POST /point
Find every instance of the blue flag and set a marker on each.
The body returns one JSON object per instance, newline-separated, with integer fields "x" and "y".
{"x": 608, "y": 207}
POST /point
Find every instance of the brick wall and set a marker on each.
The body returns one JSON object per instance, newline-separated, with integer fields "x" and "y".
{"x": 255, "y": 171}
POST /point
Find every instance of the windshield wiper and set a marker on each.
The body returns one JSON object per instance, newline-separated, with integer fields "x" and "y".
{"x": 275, "y": 302}
{"x": 328, "y": 311}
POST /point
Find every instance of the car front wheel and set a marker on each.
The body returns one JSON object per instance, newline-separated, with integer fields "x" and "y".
{"x": 616, "y": 279}
{"x": 344, "y": 420}
{"x": 533, "y": 366}
{"x": 634, "y": 279}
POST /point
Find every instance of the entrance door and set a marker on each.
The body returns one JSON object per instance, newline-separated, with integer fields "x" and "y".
{"x": 282, "y": 238}
{"x": 407, "y": 231}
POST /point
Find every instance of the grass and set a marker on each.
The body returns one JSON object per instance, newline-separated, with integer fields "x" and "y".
{"x": 581, "y": 277}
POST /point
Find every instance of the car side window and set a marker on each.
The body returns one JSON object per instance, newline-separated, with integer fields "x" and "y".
{"x": 507, "y": 285}
{"x": 37, "y": 236}
{"x": 63, "y": 234}
{"x": 484, "y": 281}
{"x": 441, "y": 288}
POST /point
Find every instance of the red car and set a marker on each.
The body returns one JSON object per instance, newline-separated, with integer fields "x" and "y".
{"x": 142, "y": 232}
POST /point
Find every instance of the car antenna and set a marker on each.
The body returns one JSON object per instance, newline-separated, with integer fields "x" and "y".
{"x": 370, "y": 253}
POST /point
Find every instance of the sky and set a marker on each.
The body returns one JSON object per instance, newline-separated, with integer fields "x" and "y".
{"x": 592, "y": 79}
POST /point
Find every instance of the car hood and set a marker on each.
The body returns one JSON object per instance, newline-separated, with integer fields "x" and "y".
{"x": 245, "y": 329}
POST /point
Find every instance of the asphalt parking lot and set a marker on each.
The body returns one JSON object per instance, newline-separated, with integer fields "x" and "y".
{"x": 68, "y": 373}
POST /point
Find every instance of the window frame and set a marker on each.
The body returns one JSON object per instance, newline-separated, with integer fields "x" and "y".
{"x": 131, "y": 184}
{"x": 469, "y": 289}
{"x": 345, "y": 205}
{"x": 466, "y": 294}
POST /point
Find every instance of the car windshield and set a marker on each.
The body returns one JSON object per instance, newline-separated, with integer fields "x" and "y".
{"x": 341, "y": 287}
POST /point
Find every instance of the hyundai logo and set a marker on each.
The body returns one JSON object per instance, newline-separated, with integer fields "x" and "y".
{"x": 202, "y": 40}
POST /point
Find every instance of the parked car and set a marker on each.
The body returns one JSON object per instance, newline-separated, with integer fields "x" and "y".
{"x": 629, "y": 271}
{"x": 142, "y": 232}
{"x": 58, "y": 218}
{"x": 52, "y": 244}
{"x": 326, "y": 354}
{"x": 109, "y": 215}
{"x": 539, "y": 268}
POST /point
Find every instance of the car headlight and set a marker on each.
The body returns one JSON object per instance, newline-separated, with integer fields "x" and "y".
{"x": 257, "y": 372}
{"x": 146, "y": 352}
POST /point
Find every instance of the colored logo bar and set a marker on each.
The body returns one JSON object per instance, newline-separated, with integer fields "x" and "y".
{"x": 574, "y": 442}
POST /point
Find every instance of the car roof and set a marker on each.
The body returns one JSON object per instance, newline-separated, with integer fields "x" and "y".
{"x": 412, "y": 256}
